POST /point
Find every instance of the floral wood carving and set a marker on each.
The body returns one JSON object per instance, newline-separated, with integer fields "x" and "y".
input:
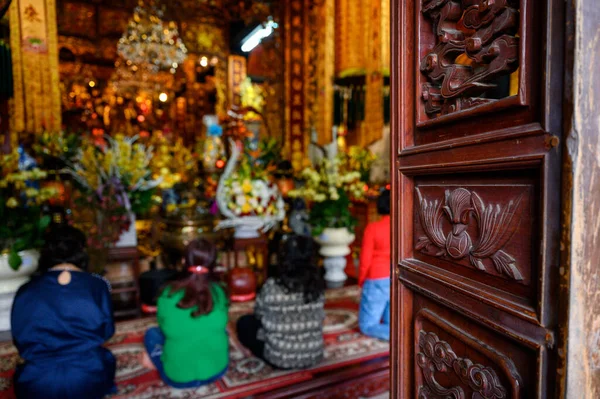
{"x": 483, "y": 33}
{"x": 436, "y": 355}
{"x": 496, "y": 226}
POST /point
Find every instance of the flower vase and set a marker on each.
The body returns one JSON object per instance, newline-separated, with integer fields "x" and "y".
{"x": 246, "y": 232}
{"x": 128, "y": 238}
{"x": 248, "y": 228}
{"x": 11, "y": 280}
{"x": 335, "y": 246}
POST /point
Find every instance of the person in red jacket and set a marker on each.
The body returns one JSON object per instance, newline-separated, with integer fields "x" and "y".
{"x": 374, "y": 274}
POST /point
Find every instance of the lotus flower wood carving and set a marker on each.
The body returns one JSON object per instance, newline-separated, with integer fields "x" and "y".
{"x": 496, "y": 225}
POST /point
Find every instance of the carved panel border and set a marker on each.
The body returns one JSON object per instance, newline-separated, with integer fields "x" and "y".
{"x": 433, "y": 355}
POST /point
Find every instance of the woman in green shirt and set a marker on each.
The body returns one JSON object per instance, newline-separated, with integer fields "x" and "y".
{"x": 190, "y": 346}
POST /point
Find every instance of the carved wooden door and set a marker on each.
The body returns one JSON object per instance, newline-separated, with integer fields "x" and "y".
{"x": 477, "y": 88}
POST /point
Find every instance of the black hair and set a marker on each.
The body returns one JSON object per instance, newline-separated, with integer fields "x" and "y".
{"x": 63, "y": 244}
{"x": 383, "y": 202}
{"x": 298, "y": 271}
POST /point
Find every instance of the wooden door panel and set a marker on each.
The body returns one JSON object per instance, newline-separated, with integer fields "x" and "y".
{"x": 475, "y": 59}
{"x": 482, "y": 228}
{"x": 513, "y": 148}
{"x": 490, "y": 315}
{"x": 474, "y": 226}
{"x": 476, "y": 131}
{"x": 452, "y": 352}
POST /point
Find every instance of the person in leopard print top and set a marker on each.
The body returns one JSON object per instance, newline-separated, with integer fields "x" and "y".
{"x": 286, "y": 329}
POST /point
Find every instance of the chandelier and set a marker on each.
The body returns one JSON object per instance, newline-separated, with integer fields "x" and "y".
{"x": 151, "y": 43}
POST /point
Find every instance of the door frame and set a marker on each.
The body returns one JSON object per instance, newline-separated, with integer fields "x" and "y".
{"x": 561, "y": 36}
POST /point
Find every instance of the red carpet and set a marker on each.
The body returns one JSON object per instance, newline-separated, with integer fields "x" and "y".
{"x": 246, "y": 375}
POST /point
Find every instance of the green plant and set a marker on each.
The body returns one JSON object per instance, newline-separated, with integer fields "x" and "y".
{"x": 54, "y": 148}
{"x": 359, "y": 159}
{"x": 21, "y": 199}
{"x": 123, "y": 164}
{"x": 329, "y": 190}
{"x": 270, "y": 153}
{"x": 110, "y": 216}
{"x": 331, "y": 213}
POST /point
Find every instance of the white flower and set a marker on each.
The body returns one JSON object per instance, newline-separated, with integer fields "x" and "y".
{"x": 240, "y": 200}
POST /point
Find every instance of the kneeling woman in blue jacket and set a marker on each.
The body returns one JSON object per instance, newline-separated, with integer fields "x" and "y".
{"x": 60, "y": 320}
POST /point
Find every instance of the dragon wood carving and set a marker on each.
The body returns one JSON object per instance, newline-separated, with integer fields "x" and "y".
{"x": 496, "y": 226}
{"x": 436, "y": 355}
{"x": 484, "y": 34}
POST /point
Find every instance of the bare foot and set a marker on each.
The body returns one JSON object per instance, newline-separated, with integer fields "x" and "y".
{"x": 146, "y": 361}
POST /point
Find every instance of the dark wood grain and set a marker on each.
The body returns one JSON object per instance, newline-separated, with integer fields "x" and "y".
{"x": 485, "y": 35}
{"x": 125, "y": 294}
{"x": 476, "y": 197}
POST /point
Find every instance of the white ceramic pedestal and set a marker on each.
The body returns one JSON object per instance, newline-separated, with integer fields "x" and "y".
{"x": 129, "y": 238}
{"x": 248, "y": 229}
{"x": 11, "y": 280}
{"x": 334, "y": 249}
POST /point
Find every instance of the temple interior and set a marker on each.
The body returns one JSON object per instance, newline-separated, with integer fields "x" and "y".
{"x": 311, "y": 199}
{"x": 151, "y": 124}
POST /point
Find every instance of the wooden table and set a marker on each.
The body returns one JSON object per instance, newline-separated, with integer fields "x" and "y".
{"x": 123, "y": 272}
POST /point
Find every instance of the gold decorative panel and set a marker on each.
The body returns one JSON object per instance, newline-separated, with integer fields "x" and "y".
{"x": 33, "y": 37}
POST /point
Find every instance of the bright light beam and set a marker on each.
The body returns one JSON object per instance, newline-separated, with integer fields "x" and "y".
{"x": 256, "y": 36}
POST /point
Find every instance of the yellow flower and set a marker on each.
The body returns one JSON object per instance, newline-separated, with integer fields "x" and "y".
{"x": 12, "y": 202}
{"x": 46, "y": 193}
{"x": 246, "y": 208}
{"x": 31, "y": 192}
{"x": 247, "y": 187}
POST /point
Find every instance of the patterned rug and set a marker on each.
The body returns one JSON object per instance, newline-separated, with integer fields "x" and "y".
{"x": 247, "y": 375}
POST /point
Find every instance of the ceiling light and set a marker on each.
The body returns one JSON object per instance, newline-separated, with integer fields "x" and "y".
{"x": 256, "y": 36}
